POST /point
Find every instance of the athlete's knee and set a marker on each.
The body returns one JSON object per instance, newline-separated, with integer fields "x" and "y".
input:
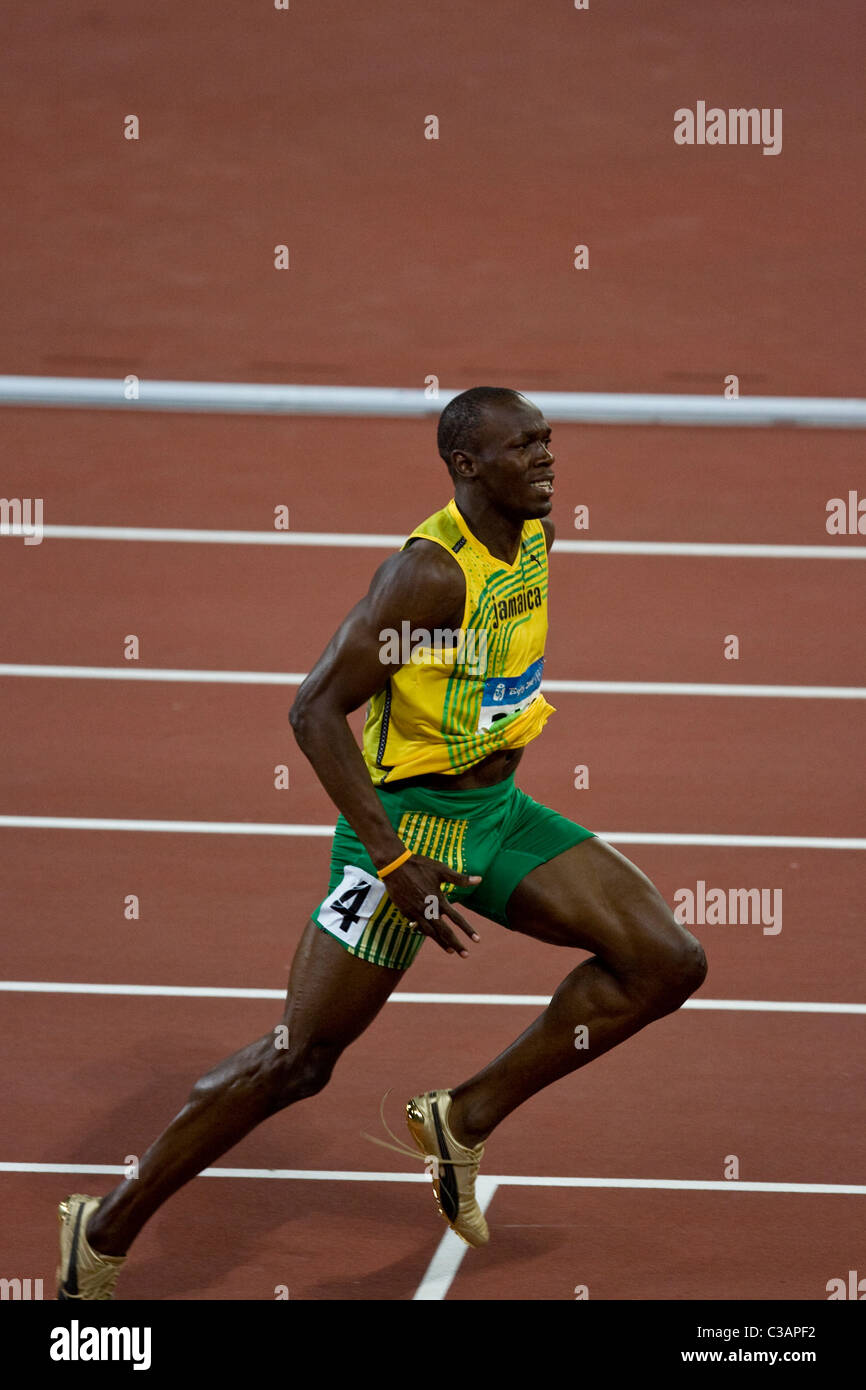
{"x": 675, "y": 967}
{"x": 296, "y": 1073}
{"x": 269, "y": 1074}
{"x": 688, "y": 964}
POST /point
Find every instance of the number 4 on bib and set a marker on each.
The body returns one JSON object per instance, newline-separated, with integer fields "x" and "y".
{"x": 348, "y": 904}
{"x": 347, "y": 910}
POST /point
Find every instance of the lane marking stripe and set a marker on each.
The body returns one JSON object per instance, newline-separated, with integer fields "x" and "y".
{"x": 498, "y": 1180}
{"x": 185, "y": 535}
{"x": 406, "y": 997}
{"x": 442, "y": 1269}
{"x": 215, "y": 827}
{"x": 180, "y": 827}
{"x": 564, "y": 687}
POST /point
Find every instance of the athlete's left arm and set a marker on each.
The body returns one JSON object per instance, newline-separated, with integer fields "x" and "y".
{"x": 549, "y": 532}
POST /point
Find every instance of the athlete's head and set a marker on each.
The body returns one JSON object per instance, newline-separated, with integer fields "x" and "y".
{"x": 495, "y": 443}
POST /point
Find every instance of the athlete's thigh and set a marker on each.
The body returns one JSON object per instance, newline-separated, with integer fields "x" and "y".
{"x": 332, "y": 995}
{"x": 592, "y": 897}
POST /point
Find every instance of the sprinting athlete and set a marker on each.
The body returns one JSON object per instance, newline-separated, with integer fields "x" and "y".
{"x": 447, "y": 648}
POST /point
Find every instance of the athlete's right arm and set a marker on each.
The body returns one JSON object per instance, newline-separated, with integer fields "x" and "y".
{"x": 424, "y": 586}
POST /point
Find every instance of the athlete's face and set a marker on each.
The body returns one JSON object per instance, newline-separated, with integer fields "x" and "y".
{"x": 513, "y": 461}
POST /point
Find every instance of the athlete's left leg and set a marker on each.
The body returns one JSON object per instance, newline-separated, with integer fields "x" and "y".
{"x": 645, "y": 965}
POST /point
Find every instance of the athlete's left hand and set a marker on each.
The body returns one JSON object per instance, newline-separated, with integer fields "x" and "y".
{"x": 416, "y": 889}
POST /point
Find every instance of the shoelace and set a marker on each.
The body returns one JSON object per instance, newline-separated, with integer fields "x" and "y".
{"x": 399, "y": 1147}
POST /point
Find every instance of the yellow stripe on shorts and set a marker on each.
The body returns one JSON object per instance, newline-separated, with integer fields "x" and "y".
{"x": 388, "y": 939}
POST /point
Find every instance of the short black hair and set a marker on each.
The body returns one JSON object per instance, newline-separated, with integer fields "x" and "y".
{"x": 461, "y": 418}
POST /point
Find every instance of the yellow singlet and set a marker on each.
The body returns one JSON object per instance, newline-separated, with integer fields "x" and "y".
{"x": 466, "y": 692}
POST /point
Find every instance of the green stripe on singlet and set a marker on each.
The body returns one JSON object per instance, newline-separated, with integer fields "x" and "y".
{"x": 463, "y": 697}
{"x": 455, "y": 691}
{"x": 467, "y": 706}
{"x": 462, "y": 703}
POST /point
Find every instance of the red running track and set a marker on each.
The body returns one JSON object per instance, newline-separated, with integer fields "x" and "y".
{"x": 409, "y": 258}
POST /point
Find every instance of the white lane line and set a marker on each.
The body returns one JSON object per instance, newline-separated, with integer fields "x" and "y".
{"x": 184, "y": 535}
{"x": 406, "y": 997}
{"x": 442, "y": 1269}
{"x": 737, "y": 550}
{"x": 281, "y": 1174}
{"x": 180, "y": 827}
{"x": 559, "y": 687}
{"x": 226, "y": 827}
{"x": 159, "y": 991}
{"x": 689, "y": 688}
{"x": 775, "y": 1006}
{"x": 640, "y": 837}
{"x": 688, "y": 1185}
{"x": 596, "y": 407}
{"x": 496, "y": 1179}
{"x": 156, "y": 673}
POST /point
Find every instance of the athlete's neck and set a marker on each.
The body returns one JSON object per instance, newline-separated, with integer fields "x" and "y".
{"x": 500, "y": 534}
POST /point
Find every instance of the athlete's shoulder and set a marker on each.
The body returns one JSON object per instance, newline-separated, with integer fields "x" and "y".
{"x": 442, "y": 528}
{"x": 549, "y": 532}
{"x": 422, "y": 580}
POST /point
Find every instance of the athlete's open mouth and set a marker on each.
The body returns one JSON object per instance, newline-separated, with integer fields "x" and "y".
{"x": 544, "y": 485}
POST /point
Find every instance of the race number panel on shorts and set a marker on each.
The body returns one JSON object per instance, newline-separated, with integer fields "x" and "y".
{"x": 346, "y": 912}
{"x": 505, "y": 695}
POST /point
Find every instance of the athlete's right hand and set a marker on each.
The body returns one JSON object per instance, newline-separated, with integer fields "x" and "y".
{"x": 416, "y": 889}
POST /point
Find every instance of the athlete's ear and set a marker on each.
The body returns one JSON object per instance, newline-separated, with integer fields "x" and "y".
{"x": 462, "y": 464}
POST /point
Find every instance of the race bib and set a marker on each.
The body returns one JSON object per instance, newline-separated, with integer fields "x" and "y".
{"x": 346, "y": 912}
{"x": 506, "y": 695}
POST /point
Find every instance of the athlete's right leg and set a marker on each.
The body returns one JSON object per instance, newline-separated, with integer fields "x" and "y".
{"x": 332, "y": 997}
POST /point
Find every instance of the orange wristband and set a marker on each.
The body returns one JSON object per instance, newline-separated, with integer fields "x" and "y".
{"x": 395, "y": 864}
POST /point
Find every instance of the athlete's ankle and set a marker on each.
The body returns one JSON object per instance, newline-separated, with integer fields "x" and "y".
{"x": 463, "y": 1124}
{"x": 100, "y": 1236}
